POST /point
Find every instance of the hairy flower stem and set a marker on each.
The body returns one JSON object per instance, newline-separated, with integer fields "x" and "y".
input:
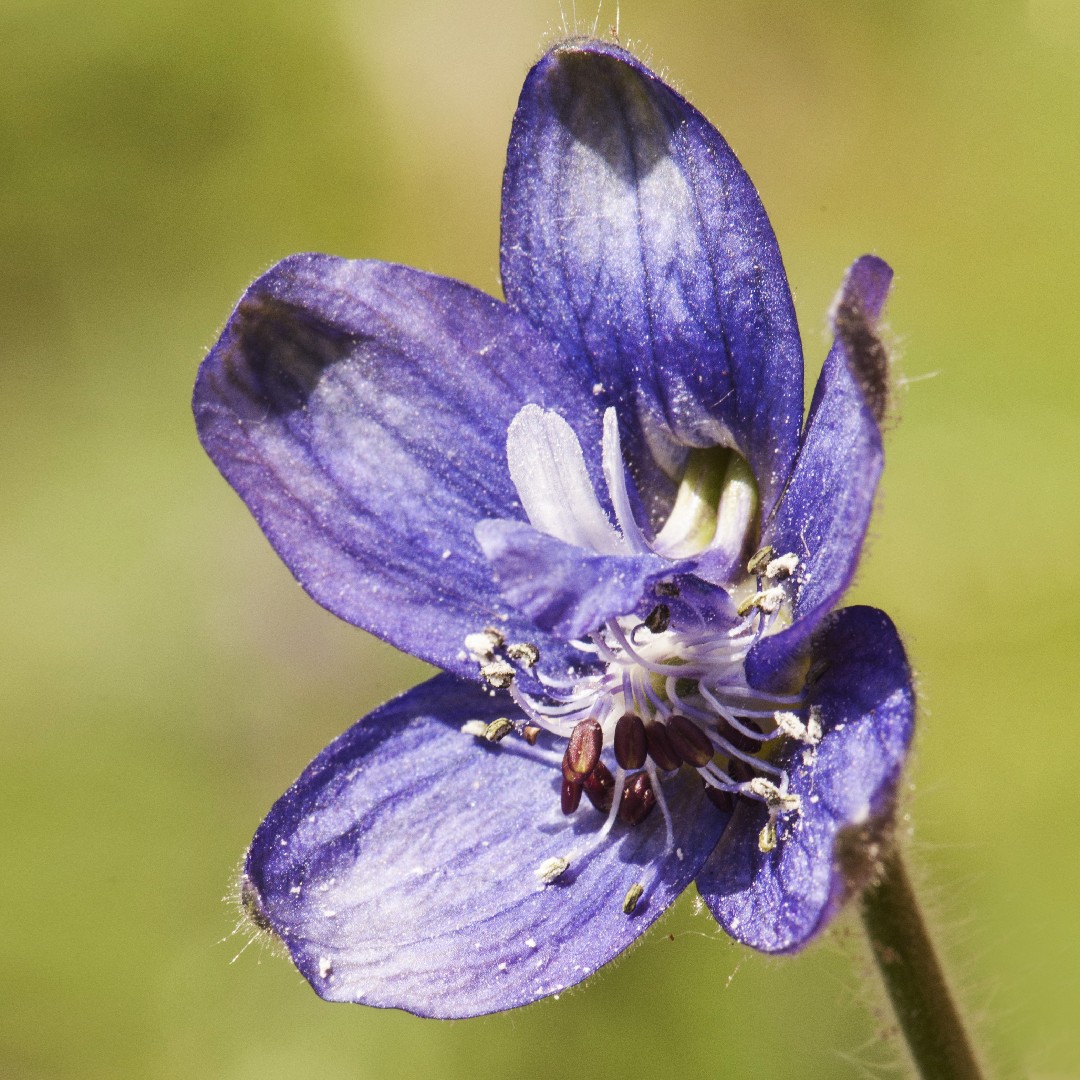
{"x": 905, "y": 956}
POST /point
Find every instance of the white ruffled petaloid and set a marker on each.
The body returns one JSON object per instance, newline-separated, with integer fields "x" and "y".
{"x": 548, "y": 469}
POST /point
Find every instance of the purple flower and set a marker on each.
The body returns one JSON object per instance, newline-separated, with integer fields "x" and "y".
{"x": 597, "y": 508}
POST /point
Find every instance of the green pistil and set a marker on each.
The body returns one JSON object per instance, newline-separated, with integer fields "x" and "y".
{"x": 691, "y": 525}
{"x": 716, "y": 505}
{"x": 736, "y": 514}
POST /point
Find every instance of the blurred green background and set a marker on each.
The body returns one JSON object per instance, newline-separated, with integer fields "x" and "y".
{"x": 163, "y": 677}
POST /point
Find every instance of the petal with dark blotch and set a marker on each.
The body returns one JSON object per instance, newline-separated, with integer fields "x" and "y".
{"x": 632, "y": 235}
{"x": 401, "y": 869}
{"x": 565, "y": 589}
{"x": 825, "y": 510}
{"x": 778, "y": 901}
{"x": 361, "y": 412}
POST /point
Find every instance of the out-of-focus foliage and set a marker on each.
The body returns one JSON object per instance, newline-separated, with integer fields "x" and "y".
{"x": 164, "y": 679}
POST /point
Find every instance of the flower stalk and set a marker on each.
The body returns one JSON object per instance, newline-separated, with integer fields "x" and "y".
{"x": 925, "y": 1010}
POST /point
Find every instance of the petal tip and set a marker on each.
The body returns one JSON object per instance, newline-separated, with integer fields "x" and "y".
{"x": 854, "y": 317}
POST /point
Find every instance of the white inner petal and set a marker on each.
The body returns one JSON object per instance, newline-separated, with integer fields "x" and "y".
{"x": 615, "y": 475}
{"x": 548, "y": 470}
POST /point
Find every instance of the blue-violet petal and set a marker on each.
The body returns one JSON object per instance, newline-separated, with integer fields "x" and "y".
{"x": 825, "y": 510}
{"x": 400, "y": 870}
{"x": 565, "y": 589}
{"x": 777, "y": 901}
{"x": 360, "y": 410}
{"x": 633, "y": 236}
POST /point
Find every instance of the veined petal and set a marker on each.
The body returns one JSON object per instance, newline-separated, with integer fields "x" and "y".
{"x": 567, "y": 590}
{"x": 618, "y": 489}
{"x": 361, "y": 411}
{"x": 400, "y": 870}
{"x": 777, "y": 901}
{"x": 548, "y": 469}
{"x": 632, "y": 235}
{"x": 825, "y": 510}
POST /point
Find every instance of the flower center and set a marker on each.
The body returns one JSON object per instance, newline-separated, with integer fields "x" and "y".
{"x": 664, "y": 699}
{"x": 658, "y": 694}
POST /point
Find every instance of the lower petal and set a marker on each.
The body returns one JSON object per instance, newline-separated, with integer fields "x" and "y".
{"x": 778, "y": 901}
{"x": 562, "y": 588}
{"x": 400, "y": 870}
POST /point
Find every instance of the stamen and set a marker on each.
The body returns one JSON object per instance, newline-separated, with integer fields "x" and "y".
{"x": 716, "y": 777}
{"x": 630, "y": 900}
{"x": 571, "y": 795}
{"x": 733, "y": 754}
{"x": 524, "y": 653}
{"x": 760, "y": 559}
{"x": 744, "y": 737}
{"x": 749, "y": 693}
{"x": 767, "y": 600}
{"x": 482, "y": 646}
{"x": 631, "y": 746}
{"x": 583, "y": 750}
{"x": 498, "y": 674}
{"x": 773, "y": 796}
{"x": 550, "y": 870}
{"x": 784, "y": 566}
{"x": 657, "y": 669}
{"x": 658, "y": 791}
{"x": 790, "y": 724}
{"x": 689, "y": 741}
{"x": 653, "y": 698}
{"x": 618, "y": 784}
{"x": 638, "y": 799}
{"x": 660, "y": 748}
{"x": 600, "y": 787}
{"x": 767, "y": 837}
{"x": 498, "y": 729}
{"x": 658, "y": 620}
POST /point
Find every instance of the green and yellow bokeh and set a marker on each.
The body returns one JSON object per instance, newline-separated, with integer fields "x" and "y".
{"x": 164, "y": 679}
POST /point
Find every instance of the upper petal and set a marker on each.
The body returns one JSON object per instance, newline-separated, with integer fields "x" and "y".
{"x": 401, "y": 868}
{"x": 361, "y": 412}
{"x": 825, "y": 510}
{"x": 633, "y": 236}
{"x": 777, "y": 901}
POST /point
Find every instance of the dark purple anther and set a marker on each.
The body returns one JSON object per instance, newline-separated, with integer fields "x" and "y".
{"x": 658, "y": 619}
{"x": 660, "y": 748}
{"x": 583, "y": 750}
{"x": 738, "y": 739}
{"x": 739, "y": 771}
{"x": 689, "y": 741}
{"x": 600, "y": 787}
{"x": 722, "y": 800}
{"x": 631, "y": 746}
{"x": 571, "y": 795}
{"x": 638, "y": 799}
